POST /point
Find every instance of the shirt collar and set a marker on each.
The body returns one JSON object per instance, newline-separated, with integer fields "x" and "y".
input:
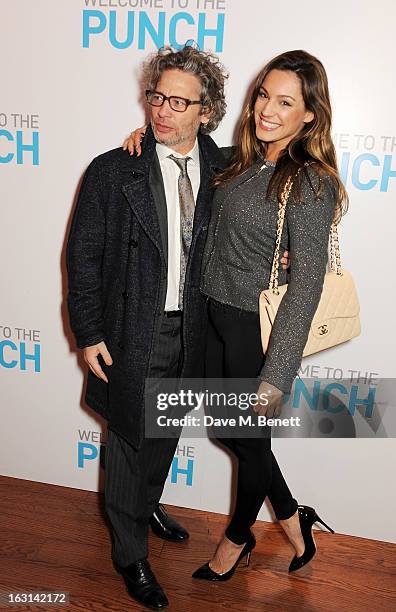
{"x": 163, "y": 152}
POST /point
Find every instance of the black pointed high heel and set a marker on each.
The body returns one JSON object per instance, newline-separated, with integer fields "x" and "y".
{"x": 206, "y": 573}
{"x": 307, "y": 517}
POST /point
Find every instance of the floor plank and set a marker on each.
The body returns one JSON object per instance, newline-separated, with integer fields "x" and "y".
{"x": 57, "y": 538}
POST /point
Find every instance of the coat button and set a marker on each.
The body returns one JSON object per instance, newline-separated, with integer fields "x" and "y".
{"x": 133, "y": 243}
{"x": 120, "y": 345}
{"x": 125, "y": 295}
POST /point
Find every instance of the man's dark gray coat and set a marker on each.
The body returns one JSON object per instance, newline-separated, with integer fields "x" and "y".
{"x": 117, "y": 272}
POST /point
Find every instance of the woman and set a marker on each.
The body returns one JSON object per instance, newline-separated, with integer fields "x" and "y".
{"x": 284, "y": 132}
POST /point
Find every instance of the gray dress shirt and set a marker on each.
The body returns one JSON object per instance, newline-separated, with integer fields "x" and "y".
{"x": 239, "y": 251}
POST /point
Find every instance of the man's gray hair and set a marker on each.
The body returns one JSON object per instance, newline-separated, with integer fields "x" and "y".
{"x": 205, "y": 65}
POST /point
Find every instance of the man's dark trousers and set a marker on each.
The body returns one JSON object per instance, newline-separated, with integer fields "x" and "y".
{"x": 134, "y": 479}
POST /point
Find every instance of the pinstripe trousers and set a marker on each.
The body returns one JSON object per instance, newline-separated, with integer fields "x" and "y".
{"x": 135, "y": 478}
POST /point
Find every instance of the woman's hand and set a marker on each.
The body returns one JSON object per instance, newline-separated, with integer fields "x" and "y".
{"x": 285, "y": 259}
{"x": 132, "y": 143}
{"x": 269, "y": 401}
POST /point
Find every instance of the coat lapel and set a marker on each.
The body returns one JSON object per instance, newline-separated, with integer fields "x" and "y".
{"x": 211, "y": 162}
{"x": 144, "y": 189}
{"x": 158, "y": 190}
{"x": 136, "y": 189}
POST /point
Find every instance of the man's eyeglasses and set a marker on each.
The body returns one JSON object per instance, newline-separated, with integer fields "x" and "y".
{"x": 156, "y": 98}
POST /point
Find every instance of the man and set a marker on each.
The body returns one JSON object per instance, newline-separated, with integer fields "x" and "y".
{"x": 134, "y": 260}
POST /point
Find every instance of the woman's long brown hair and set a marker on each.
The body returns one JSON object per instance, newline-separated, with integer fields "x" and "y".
{"x": 313, "y": 144}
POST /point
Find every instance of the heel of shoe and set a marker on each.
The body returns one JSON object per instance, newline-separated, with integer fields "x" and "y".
{"x": 206, "y": 573}
{"x": 319, "y": 520}
{"x": 249, "y": 546}
{"x": 307, "y": 517}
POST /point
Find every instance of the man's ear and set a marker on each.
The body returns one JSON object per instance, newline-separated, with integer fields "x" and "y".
{"x": 206, "y": 115}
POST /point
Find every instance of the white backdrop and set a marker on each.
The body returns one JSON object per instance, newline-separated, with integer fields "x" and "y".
{"x": 69, "y": 92}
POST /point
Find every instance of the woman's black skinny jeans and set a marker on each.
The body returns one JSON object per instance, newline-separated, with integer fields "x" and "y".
{"x": 234, "y": 351}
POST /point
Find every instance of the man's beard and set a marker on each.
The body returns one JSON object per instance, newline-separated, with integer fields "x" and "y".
{"x": 176, "y": 139}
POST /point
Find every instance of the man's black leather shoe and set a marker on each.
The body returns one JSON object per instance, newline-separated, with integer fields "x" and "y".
{"x": 142, "y": 585}
{"x": 165, "y": 527}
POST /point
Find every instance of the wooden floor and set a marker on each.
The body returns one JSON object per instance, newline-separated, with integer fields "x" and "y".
{"x": 56, "y": 538}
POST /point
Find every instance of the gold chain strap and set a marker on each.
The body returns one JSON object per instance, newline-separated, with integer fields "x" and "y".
{"x": 273, "y": 284}
{"x": 335, "y": 257}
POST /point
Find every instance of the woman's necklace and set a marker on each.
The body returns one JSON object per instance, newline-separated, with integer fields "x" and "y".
{"x": 268, "y": 164}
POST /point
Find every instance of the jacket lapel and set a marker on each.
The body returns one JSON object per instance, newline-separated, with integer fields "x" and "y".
{"x": 211, "y": 162}
{"x": 144, "y": 189}
{"x": 136, "y": 189}
{"x": 157, "y": 189}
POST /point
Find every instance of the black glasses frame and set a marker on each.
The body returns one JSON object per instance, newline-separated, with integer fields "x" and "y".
{"x": 169, "y": 98}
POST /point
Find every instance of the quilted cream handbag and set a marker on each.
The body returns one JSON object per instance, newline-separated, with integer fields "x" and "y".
{"x": 337, "y": 317}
